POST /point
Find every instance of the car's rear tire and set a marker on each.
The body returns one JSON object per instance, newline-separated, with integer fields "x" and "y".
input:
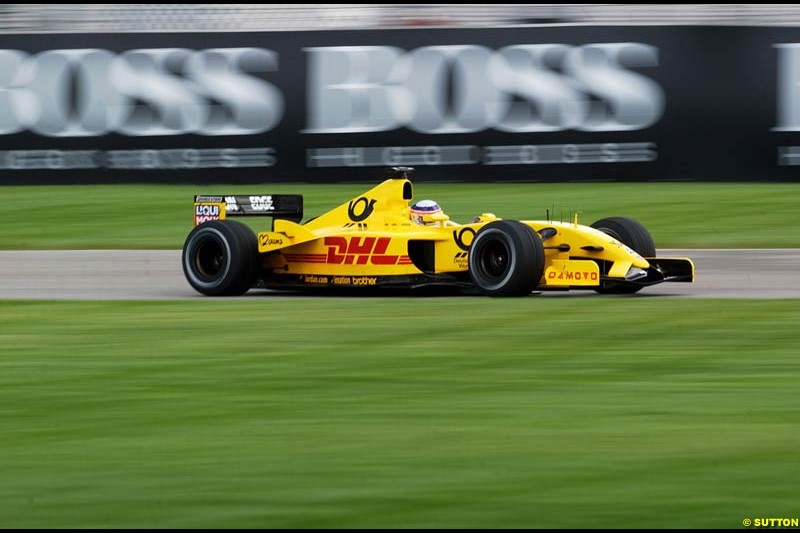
{"x": 506, "y": 258}
{"x": 635, "y": 236}
{"x": 220, "y": 258}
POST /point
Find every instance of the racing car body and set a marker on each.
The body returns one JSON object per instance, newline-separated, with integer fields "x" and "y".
{"x": 370, "y": 242}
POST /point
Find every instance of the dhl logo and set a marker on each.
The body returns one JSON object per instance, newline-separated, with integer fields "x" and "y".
{"x": 359, "y": 251}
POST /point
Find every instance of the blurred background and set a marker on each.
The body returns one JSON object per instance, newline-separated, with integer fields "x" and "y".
{"x": 259, "y": 17}
{"x": 244, "y": 93}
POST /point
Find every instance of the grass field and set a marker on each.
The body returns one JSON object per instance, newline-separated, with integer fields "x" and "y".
{"x": 691, "y": 215}
{"x": 588, "y": 412}
{"x": 399, "y": 412}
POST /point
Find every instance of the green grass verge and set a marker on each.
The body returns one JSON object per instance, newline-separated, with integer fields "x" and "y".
{"x": 691, "y": 215}
{"x": 395, "y": 412}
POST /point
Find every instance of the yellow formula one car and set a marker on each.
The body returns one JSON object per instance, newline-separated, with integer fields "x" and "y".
{"x": 379, "y": 241}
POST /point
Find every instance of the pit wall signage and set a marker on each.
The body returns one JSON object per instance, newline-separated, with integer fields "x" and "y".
{"x": 499, "y": 104}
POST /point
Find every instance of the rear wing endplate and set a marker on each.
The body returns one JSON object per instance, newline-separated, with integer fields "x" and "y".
{"x": 218, "y": 207}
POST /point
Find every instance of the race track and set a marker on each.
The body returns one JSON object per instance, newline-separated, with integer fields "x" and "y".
{"x": 157, "y": 275}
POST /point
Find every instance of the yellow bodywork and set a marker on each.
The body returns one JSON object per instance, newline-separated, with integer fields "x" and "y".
{"x": 373, "y": 236}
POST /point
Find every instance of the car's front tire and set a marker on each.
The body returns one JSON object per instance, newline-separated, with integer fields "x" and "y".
{"x": 220, "y": 258}
{"x": 506, "y": 258}
{"x": 635, "y": 236}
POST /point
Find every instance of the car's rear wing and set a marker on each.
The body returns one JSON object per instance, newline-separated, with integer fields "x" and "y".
{"x": 218, "y": 207}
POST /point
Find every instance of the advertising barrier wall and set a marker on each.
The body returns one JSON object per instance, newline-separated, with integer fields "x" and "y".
{"x": 560, "y": 103}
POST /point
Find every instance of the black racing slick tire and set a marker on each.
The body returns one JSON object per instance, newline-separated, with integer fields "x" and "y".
{"x": 629, "y": 232}
{"x": 506, "y": 258}
{"x": 220, "y": 258}
{"x": 632, "y": 234}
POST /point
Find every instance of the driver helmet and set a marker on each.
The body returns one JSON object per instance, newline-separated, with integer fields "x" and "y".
{"x": 422, "y": 208}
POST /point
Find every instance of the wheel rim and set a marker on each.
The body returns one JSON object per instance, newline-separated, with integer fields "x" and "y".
{"x": 209, "y": 258}
{"x": 494, "y": 259}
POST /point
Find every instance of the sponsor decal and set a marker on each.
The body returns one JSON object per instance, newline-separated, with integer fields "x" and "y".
{"x": 462, "y": 241}
{"x": 355, "y": 281}
{"x": 361, "y": 226}
{"x": 359, "y": 251}
{"x": 514, "y": 154}
{"x": 596, "y": 87}
{"x": 206, "y": 212}
{"x": 342, "y": 281}
{"x": 269, "y": 240}
{"x": 461, "y": 260}
{"x": 569, "y": 276}
{"x": 539, "y": 87}
{"x": 148, "y": 159}
{"x": 205, "y": 209}
{"x": 355, "y": 206}
{"x": 231, "y": 206}
{"x": 262, "y": 203}
{"x": 93, "y": 92}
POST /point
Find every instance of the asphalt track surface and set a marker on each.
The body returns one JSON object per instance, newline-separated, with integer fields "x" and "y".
{"x": 157, "y": 275}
